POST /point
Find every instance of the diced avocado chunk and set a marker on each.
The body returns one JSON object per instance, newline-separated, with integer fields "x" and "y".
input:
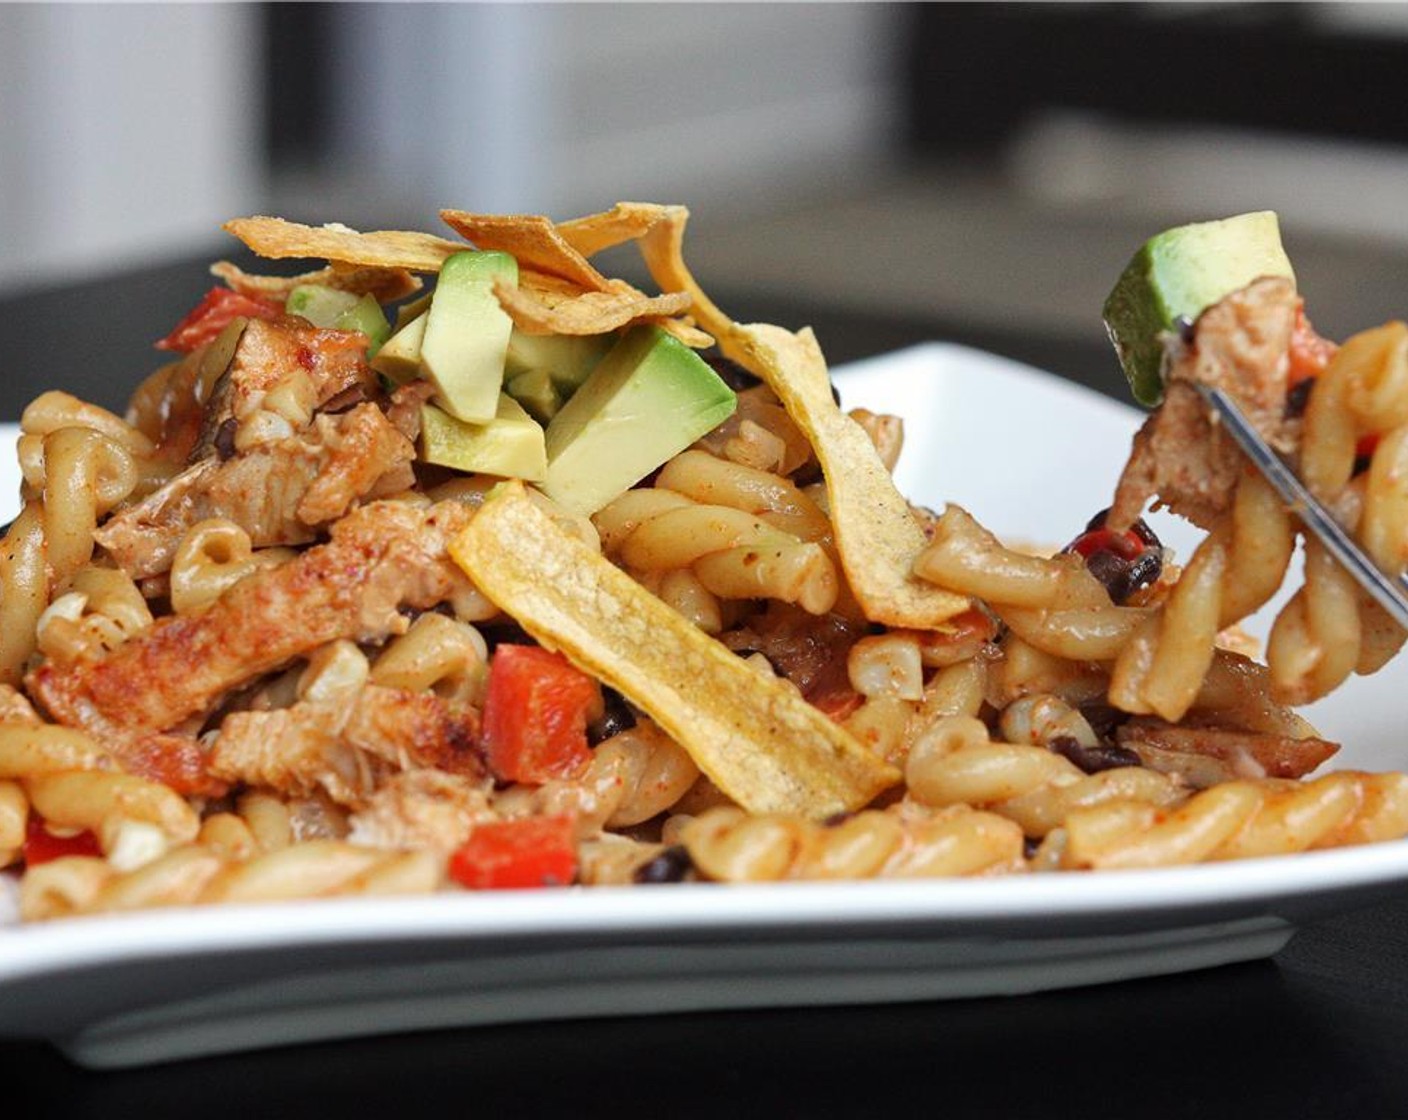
{"x": 536, "y": 391}
{"x": 319, "y": 304}
{"x": 467, "y": 333}
{"x": 399, "y": 356}
{"x": 567, "y": 358}
{"x": 1178, "y": 274}
{"x": 366, "y": 316}
{"x": 344, "y": 311}
{"x": 648, "y": 399}
{"x": 510, "y": 445}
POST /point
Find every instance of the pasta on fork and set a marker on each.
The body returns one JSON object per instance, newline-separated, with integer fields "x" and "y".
{"x": 537, "y": 580}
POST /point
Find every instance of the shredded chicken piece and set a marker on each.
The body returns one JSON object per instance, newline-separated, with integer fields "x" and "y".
{"x": 421, "y": 809}
{"x": 1205, "y": 756}
{"x": 1240, "y": 345}
{"x": 404, "y": 410}
{"x": 279, "y": 493}
{"x": 381, "y": 557}
{"x": 268, "y": 351}
{"x": 346, "y": 748}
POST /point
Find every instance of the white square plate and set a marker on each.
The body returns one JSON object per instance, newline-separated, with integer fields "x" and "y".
{"x": 1031, "y": 456}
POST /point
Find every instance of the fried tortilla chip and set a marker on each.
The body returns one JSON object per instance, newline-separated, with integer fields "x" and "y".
{"x": 876, "y": 534}
{"x": 753, "y": 736}
{"x": 384, "y": 284}
{"x": 539, "y": 311}
{"x": 277, "y": 238}
{"x": 532, "y": 240}
{"x": 626, "y": 221}
{"x": 660, "y": 231}
{"x": 686, "y": 332}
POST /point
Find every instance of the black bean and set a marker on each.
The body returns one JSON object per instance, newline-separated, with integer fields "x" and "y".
{"x": 1122, "y": 578}
{"x": 1030, "y": 844}
{"x": 1093, "y": 759}
{"x": 1108, "y": 568}
{"x": 1141, "y": 529}
{"x": 807, "y": 474}
{"x": 1103, "y": 718}
{"x": 670, "y": 866}
{"x": 1187, "y": 329}
{"x": 616, "y": 717}
{"x": 505, "y": 633}
{"x": 1143, "y": 571}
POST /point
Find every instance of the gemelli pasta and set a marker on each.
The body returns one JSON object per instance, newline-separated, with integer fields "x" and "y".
{"x": 270, "y": 636}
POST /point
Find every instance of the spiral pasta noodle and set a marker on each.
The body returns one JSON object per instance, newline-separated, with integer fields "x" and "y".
{"x": 731, "y": 846}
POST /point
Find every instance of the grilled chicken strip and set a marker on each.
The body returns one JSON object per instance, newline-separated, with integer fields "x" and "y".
{"x": 344, "y": 747}
{"x": 278, "y": 493}
{"x": 380, "y": 557}
{"x": 1240, "y": 345}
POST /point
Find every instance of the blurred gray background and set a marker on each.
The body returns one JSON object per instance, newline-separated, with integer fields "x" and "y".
{"x": 965, "y": 171}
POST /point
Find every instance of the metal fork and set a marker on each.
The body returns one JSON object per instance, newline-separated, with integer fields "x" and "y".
{"x": 1389, "y": 592}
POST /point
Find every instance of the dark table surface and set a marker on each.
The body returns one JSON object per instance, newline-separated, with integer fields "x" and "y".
{"x": 1320, "y": 1030}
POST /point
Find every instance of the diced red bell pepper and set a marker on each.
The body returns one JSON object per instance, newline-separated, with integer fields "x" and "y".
{"x": 41, "y": 845}
{"x": 532, "y": 852}
{"x": 213, "y": 314}
{"x": 1310, "y": 356}
{"x": 1309, "y": 353}
{"x": 1127, "y": 545}
{"x": 535, "y": 715}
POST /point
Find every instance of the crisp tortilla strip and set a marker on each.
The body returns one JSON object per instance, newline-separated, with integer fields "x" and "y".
{"x": 385, "y": 284}
{"x": 686, "y": 332}
{"x": 626, "y": 221}
{"x": 539, "y": 311}
{"x": 754, "y": 737}
{"x": 533, "y": 241}
{"x": 277, "y": 238}
{"x": 660, "y": 231}
{"x": 876, "y": 534}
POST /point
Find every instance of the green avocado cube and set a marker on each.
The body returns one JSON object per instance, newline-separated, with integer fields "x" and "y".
{"x": 647, "y": 400}
{"x": 319, "y": 304}
{"x": 399, "y": 356}
{"x": 536, "y": 391}
{"x": 466, "y": 334}
{"x": 1179, "y": 274}
{"x": 566, "y": 358}
{"x": 510, "y": 445}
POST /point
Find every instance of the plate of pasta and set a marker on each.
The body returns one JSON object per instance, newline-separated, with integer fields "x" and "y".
{"x": 811, "y": 687}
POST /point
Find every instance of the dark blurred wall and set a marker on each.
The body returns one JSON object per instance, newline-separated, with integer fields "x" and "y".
{"x": 976, "y": 73}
